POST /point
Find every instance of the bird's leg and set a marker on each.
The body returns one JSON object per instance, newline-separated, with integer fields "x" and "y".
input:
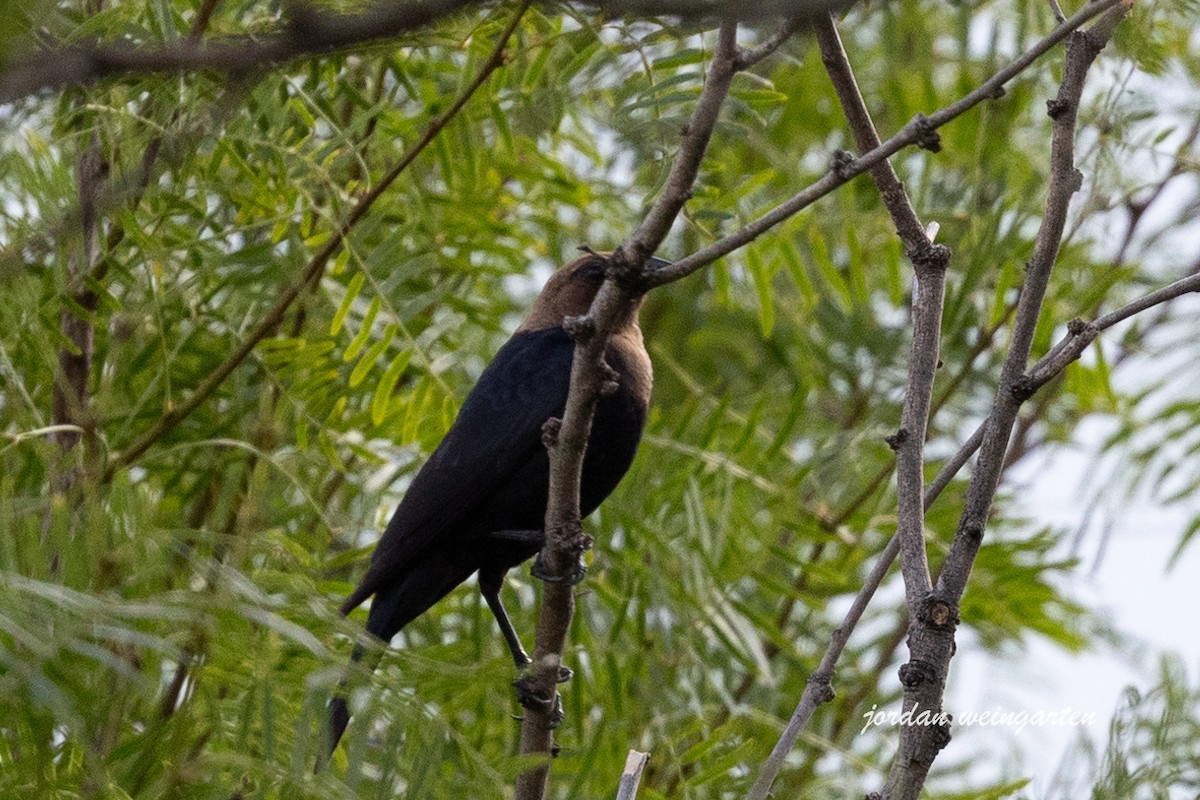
{"x": 489, "y": 587}
{"x": 527, "y": 696}
{"x": 491, "y": 593}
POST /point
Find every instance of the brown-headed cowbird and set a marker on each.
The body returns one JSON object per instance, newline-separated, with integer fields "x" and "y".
{"x": 479, "y": 503}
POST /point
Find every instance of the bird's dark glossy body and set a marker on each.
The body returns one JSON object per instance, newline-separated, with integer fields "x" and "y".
{"x": 491, "y": 474}
{"x": 479, "y": 503}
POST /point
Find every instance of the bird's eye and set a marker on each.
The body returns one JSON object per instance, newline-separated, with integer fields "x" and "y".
{"x": 594, "y": 270}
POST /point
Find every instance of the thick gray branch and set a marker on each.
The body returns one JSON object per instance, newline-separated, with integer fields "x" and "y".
{"x": 931, "y": 637}
{"x": 930, "y": 263}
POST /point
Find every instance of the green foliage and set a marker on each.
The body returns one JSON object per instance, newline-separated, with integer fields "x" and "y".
{"x": 172, "y": 632}
{"x": 1151, "y": 748}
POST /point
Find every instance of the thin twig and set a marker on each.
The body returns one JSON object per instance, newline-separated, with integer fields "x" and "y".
{"x": 920, "y": 130}
{"x": 1081, "y": 334}
{"x": 833, "y": 55}
{"x": 747, "y": 58}
{"x": 316, "y": 267}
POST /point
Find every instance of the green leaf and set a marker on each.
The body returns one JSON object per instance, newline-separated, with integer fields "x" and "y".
{"x": 383, "y": 392}
{"x": 352, "y": 290}
{"x": 364, "y": 365}
{"x": 364, "y": 332}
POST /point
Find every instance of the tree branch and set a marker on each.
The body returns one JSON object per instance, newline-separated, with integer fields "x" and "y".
{"x": 930, "y": 263}
{"x": 920, "y": 130}
{"x": 819, "y": 688}
{"x": 748, "y": 58}
{"x": 310, "y": 31}
{"x": 1081, "y": 334}
{"x": 316, "y": 266}
{"x": 931, "y": 637}
{"x": 565, "y": 541}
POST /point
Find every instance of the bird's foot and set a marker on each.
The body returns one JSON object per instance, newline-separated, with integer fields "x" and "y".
{"x": 564, "y": 673}
{"x": 578, "y": 572}
{"x": 529, "y": 696}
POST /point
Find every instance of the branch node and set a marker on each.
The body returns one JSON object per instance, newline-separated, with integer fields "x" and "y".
{"x": 927, "y": 136}
{"x": 929, "y": 258}
{"x": 1076, "y": 327}
{"x": 822, "y": 683}
{"x": 839, "y": 164}
{"x": 1023, "y": 388}
{"x": 897, "y": 439}
{"x": 941, "y": 732}
{"x": 998, "y": 92}
{"x": 581, "y": 328}
{"x": 973, "y": 531}
{"x": 550, "y": 429}
{"x": 938, "y": 613}
{"x": 916, "y": 672}
{"x": 1076, "y": 180}
{"x": 1056, "y": 107}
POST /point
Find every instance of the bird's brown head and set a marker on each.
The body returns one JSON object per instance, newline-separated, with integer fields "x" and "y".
{"x": 569, "y": 293}
{"x": 571, "y": 290}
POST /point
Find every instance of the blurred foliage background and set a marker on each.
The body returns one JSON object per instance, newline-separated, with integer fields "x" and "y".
{"x": 169, "y": 629}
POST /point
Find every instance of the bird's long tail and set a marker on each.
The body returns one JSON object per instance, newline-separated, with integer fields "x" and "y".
{"x": 394, "y": 606}
{"x": 338, "y": 716}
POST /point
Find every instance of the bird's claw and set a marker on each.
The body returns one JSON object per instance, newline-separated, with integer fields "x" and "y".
{"x": 529, "y": 697}
{"x": 578, "y": 572}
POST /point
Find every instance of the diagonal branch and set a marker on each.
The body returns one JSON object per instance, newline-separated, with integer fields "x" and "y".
{"x": 316, "y": 266}
{"x": 921, "y": 130}
{"x": 1081, "y": 334}
{"x": 930, "y": 263}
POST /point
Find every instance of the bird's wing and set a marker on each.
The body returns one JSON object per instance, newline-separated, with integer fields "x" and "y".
{"x": 497, "y": 431}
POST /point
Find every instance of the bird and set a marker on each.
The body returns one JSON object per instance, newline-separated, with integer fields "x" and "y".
{"x": 478, "y": 504}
